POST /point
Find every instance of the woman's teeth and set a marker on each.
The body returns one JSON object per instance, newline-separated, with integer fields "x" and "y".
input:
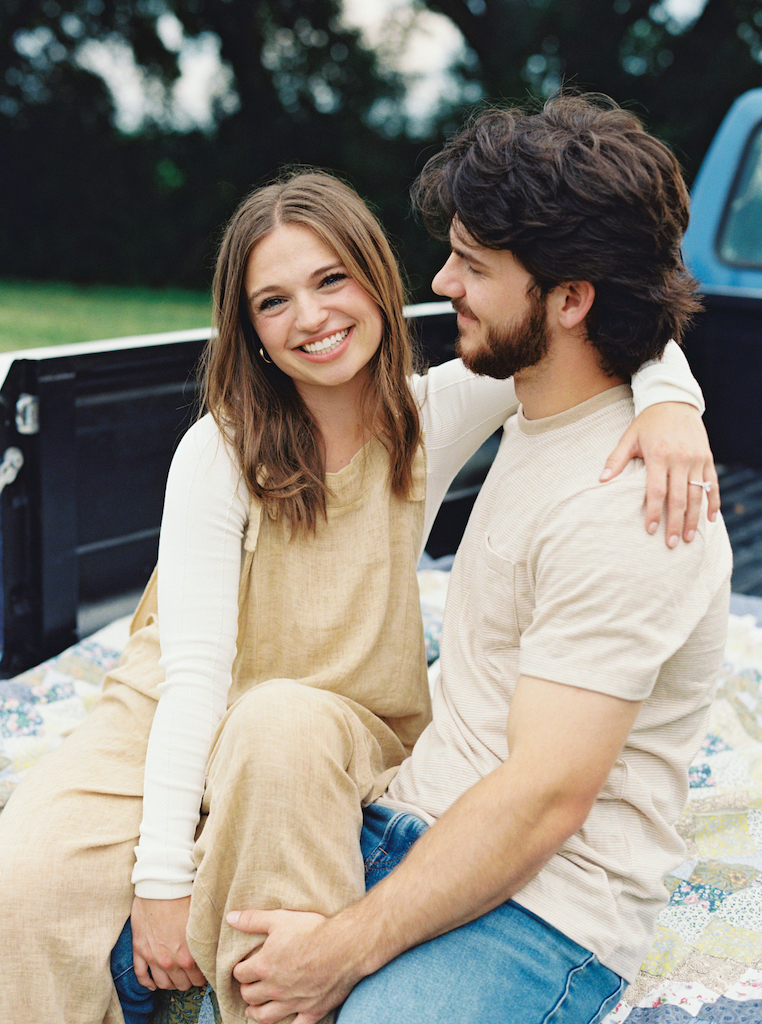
{"x": 327, "y": 343}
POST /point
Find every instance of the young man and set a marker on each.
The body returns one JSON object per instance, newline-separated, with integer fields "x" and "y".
{"x": 579, "y": 655}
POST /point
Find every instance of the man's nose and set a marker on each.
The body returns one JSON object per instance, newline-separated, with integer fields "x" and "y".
{"x": 446, "y": 282}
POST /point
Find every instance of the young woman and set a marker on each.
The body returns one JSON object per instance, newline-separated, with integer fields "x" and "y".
{"x": 276, "y": 660}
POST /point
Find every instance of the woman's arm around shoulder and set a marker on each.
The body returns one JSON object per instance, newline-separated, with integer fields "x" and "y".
{"x": 669, "y": 435}
{"x": 460, "y": 410}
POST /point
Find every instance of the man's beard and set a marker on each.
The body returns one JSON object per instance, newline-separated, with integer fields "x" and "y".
{"x": 508, "y": 349}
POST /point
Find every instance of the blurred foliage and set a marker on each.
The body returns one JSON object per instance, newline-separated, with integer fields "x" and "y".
{"x": 85, "y": 202}
{"x": 90, "y": 203}
{"x": 679, "y": 77}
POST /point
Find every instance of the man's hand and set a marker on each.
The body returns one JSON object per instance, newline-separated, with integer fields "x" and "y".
{"x": 159, "y": 947}
{"x": 671, "y": 439}
{"x": 292, "y": 972}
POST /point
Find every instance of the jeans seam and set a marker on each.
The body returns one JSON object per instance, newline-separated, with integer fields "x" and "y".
{"x": 570, "y": 975}
{"x": 617, "y": 992}
{"x": 548, "y": 1019}
{"x": 122, "y": 973}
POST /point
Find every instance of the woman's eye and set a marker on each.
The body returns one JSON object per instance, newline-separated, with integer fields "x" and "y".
{"x": 334, "y": 278}
{"x": 272, "y": 303}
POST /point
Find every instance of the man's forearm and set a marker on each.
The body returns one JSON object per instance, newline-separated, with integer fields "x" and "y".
{"x": 486, "y": 847}
{"x": 501, "y": 831}
{"x": 481, "y": 852}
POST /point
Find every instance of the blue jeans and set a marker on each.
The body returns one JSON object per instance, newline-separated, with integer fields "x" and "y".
{"x": 137, "y": 1001}
{"x": 506, "y": 966}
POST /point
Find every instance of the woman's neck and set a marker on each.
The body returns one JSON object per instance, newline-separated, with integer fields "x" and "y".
{"x": 344, "y": 421}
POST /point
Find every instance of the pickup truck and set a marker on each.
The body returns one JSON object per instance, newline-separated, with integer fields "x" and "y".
{"x": 87, "y": 432}
{"x": 723, "y": 248}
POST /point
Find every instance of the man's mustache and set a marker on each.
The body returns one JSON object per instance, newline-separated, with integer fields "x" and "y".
{"x": 460, "y": 307}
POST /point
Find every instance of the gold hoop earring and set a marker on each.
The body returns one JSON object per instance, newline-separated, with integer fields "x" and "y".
{"x": 262, "y": 356}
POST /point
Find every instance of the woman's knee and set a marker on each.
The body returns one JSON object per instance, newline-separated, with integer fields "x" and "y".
{"x": 289, "y": 718}
{"x": 285, "y": 739}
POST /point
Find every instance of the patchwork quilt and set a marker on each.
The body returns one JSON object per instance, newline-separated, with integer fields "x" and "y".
{"x": 706, "y": 960}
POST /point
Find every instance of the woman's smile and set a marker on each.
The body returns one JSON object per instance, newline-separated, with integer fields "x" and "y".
{"x": 326, "y": 346}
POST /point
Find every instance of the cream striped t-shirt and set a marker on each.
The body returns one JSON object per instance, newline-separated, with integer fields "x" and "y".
{"x": 556, "y": 578}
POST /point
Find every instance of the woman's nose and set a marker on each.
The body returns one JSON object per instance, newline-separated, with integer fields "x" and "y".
{"x": 310, "y": 313}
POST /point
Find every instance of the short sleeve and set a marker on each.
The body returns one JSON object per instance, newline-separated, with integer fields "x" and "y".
{"x": 612, "y": 603}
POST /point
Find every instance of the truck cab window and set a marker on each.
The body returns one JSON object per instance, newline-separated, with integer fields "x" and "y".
{"x": 740, "y": 240}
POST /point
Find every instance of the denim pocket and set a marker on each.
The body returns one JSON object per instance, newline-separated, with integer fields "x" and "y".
{"x": 387, "y": 836}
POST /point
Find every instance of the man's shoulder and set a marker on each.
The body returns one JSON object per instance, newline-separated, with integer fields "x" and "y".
{"x": 559, "y": 461}
{"x": 604, "y": 525}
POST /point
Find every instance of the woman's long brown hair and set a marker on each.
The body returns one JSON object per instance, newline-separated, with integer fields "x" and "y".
{"x": 256, "y": 406}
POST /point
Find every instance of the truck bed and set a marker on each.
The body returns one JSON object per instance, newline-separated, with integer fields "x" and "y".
{"x": 95, "y": 427}
{"x": 741, "y": 489}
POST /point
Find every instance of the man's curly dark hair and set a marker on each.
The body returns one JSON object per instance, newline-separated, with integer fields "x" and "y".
{"x": 577, "y": 190}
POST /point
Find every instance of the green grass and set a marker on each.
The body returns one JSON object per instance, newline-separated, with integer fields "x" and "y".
{"x": 33, "y": 314}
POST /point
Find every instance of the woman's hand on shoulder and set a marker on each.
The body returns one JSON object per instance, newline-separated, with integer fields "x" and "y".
{"x": 159, "y": 945}
{"x": 672, "y": 441}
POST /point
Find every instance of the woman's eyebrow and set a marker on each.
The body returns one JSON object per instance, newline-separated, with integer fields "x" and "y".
{"x": 320, "y": 272}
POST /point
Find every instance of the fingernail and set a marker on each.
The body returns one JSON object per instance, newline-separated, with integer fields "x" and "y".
{"x": 653, "y": 527}
{"x": 690, "y": 535}
{"x": 606, "y": 475}
{"x": 673, "y": 541}
{"x": 713, "y": 517}
{"x": 233, "y": 917}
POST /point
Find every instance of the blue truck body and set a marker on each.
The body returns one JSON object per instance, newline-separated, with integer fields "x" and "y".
{"x": 723, "y": 248}
{"x": 723, "y": 244}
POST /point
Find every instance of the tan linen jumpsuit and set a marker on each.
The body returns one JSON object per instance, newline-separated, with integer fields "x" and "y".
{"x": 329, "y": 693}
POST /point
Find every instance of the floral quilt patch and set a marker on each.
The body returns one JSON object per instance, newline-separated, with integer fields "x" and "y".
{"x": 712, "y": 926}
{"x": 39, "y": 707}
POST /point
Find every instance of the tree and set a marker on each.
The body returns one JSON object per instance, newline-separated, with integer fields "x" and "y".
{"x": 93, "y": 204}
{"x": 675, "y": 74}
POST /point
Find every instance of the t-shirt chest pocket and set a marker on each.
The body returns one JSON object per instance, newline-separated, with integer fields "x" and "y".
{"x": 501, "y": 598}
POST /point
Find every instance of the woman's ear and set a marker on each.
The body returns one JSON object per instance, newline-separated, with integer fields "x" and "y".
{"x": 573, "y": 302}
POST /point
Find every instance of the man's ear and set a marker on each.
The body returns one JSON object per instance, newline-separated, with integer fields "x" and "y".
{"x": 573, "y": 302}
